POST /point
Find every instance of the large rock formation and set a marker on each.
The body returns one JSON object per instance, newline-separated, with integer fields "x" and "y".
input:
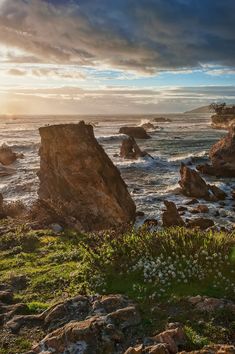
{"x": 171, "y": 216}
{"x": 79, "y": 180}
{"x": 224, "y": 116}
{"x": 222, "y": 155}
{"x": 130, "y": 149}
{"x": 135, "y": 132}
{"x": 7, "y": 156}
{"x": 192, "y": 184}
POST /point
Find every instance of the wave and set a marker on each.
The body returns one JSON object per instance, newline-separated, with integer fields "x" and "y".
{"x": 188, "y": 157}
{"x": 111, "y": 138}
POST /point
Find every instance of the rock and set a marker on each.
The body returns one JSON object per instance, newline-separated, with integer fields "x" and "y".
{"x": 173, "y": 338}
{"x": 206, "y": 169}
{"x": 7, "y": 156}
{"x": 56, "y": 227}
{"x": 6, "y": 296}
{"x": 94, "y": 334}
{"x": 218, "y": 192}
{"x": 162, "y": 120}
{"x": 192, "y": 201}
{"x": 151, "y": 222}
{"x": 182, "y": 208}
{"x": 214, "y": 349}
{"x": 153, "y": 349}
{"x": 6, "y": 171}
{"x": 130, "y": 150}
{"x": 202, "y": 208}
{"x": 139, "y": 214}
{"x": 233, "y": 194}
{"x": 192, "y": 184}
{"x": 79, "y": 181}
{"x": 135, "y": 132}
{"x": 148, "y": 126}
{"x": 222, "y": 155}
{"x": 210, "y": 304}
{"x": 171, "y": 216}
{"x": 201, "y": 223}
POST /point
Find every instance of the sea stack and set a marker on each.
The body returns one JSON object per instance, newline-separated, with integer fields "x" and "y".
{"x": 78, "y": 178}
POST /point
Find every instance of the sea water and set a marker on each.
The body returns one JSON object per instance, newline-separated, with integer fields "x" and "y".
{"x": 187, "y": 138}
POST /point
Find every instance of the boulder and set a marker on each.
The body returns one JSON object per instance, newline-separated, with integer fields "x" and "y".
{"x": 7, "y": 156}
{"x": 79, "y": 181}
{"x": 201, "y": 223}
{"x": 222, "y": 155}
{"x": 130, "y": 150}
{"x": 135, "y": 132}
{"x": 162, "y": 120}
{"x": 172, "y": 338}
{"x": 148, "y": 126}
{"x": 171, "y": 216}
{"x": 218, "y": 192}
{"x": 192, "y": 184}
{"x": 202, "y": 208}
{"x": 214, "y": 349}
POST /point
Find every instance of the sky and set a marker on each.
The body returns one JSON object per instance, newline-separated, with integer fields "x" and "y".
{"x": 115, "y": 56}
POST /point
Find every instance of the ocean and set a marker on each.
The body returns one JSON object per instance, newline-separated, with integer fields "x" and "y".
{"x": 187, "y": 138}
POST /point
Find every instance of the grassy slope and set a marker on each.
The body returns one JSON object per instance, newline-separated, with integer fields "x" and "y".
{"x": 157, "y": 270}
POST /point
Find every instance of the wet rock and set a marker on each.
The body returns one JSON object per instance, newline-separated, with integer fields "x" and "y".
{"x": 135, "y": 132}
{"x": 192, "y": 202}
{"x": 130, "y": 150}
{"x": 139, "y": 214}
{"x": 202, "y": 208}
{"x": 222, "y": 155}
{"x": 7, "y": 156}
{"x": 218, "y": 192}
{"x": 162, "y": 119}
{"x": 148, "y": 126}
{"x": 201, "y": 223}
{"x": 192, "y": 184}
{"x": 182, "y": 208}
{"x": 171, "y": 216}
{"x": 79, "y": 181}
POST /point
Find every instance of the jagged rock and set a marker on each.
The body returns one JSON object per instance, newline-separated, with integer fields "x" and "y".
{"x": 171, "y": 216}
{"x": 148, "y": 126}
{"x": 192, "y": 202}
{"x": 78, "y": 179}
{"x": 210, "y": 304}
{"x": 173, "y": 338}
{"x": 218, "y": 192}
{"x": 214, "y": 349}
{"x": 135, "y": 132}
{"x": 192, "y": 184}
{"x": 7, "y": 156}
{"x": 222, "y": 155}
{"x": 130, "y": 150}
{"x": 152, "y": 349}
{"x": 201, "y": 223}
{"x": 202, "y": 208}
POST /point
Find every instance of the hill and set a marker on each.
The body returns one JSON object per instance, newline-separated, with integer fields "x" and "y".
{"x": 203, "y": 109}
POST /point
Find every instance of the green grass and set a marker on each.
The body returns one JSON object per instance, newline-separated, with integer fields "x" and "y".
{"x": 157, "y": 270}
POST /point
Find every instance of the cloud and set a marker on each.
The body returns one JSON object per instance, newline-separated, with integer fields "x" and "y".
{"x": 144, "y": 36}
{"x": 115, "y": 100}
{"x": 40, "y": 72}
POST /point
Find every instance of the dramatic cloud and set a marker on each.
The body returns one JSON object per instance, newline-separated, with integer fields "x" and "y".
{"x": 144, "y": 35}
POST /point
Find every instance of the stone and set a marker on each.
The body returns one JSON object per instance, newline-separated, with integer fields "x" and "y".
{"x": 201, "y": 223}
{"x": 173, "y": 338}
{"x": 130, "y": 149}
{"x": 56, "y": 228}
{"x": 192, "y": 184}
{"x": 218, "y": 192}
{"x": 148, "y": 126}
{"x": 222, "y": 155}
{"x": 162, "y": 120}
{"x": 7, "y": 156}
{"x": 214, "y": 349}
{"x": 78, "y": 180}
{"x": 202, "y": 208}
{"x": 151, "y": 222}
{"x": 135, "y": 132}
{"x": 171, "y": 216}
{"x": 192, "y": 202}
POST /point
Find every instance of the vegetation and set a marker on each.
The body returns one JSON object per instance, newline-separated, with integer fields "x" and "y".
{"x": 156, "y": 269}
{"x": 222, "y": 108}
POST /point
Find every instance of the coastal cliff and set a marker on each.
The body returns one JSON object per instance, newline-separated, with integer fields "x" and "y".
{"x": 224, "y": 117}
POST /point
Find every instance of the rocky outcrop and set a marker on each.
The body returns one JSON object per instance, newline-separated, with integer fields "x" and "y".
{"x": 214, "y": 349}
{"x": 192, "y": 184}
{"x": 171, "y": 216}
{"x": 211, "y": 304}
{"x": 7, "y": 156}
{"x": 222, "y": 121}
{"x": 130, "y": 149}
{"x": 222, "y": 155}
{"x": 162, "y": 120}
{"x": 135, "y": 132}
{"x": 79, "y": 181}
{"x": 148, "y": 126}
{"x": 200, "y": 223}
